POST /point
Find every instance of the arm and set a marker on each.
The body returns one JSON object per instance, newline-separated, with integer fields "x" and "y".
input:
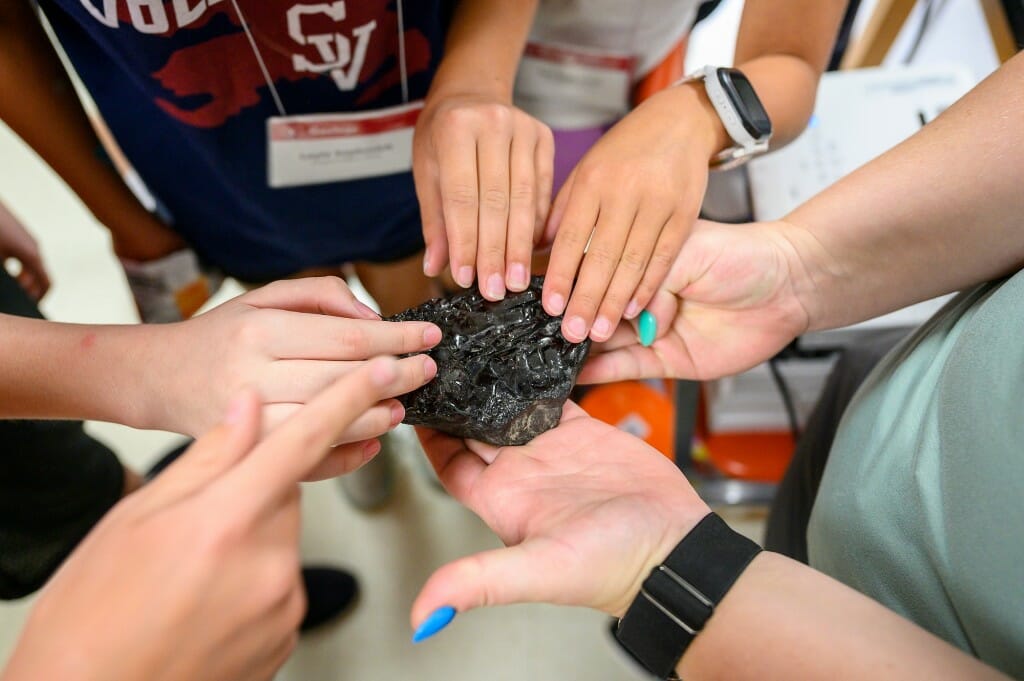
{"x": 288, "y": 340}
{"x": 36, "y": 98}
{"x": 940, "y": 212}
{"x": 639, "y": 189}
{"x": 226, "y": 516}
{"x": 621, "y": 508}
{"x": 483, "y": 168}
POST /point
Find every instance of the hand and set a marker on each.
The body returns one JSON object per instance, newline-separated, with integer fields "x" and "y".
{"x": 731, "y": 300}
{"x": 483, "y": 172}
{"x": 145, "y": 241}
{"x": 196, "y": 576}
{"x": 18, "y": 244}
{"x": 586, "y": 511}
{"x": 633, "y": 198}
{"x": 289, "y": 340}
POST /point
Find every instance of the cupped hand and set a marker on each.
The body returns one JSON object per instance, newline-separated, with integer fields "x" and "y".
{"x": 483, "y": 172}
{"x": 585, "y": 509}
{"x": 16, "y": 243}
{"x": 735, "y": 296}
{"x": 288, "y": 340}
{"x": 197, "y": 575}
{"x": 622, "y": 216}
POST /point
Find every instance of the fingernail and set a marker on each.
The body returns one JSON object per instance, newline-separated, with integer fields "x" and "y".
{"x": 426, "y": 262}
{"x": 517, "y": 277}
{"x": 235, "y": 409}
{"x": 438, "y": 620}
{"x": 577, "y": 328}
{"x": 632, "y": 309}
{"x": 557, "y": 303}
{"x": 429, "y": 367}
{"x": 495, "y": 287}
{"x": 370, "y": 450}
{"x": 432, "y": 335}
{"x": 602, "y": 329}
{"x": 397, "y": 413}
{"x": 368, "y": 312}
{"x": 465, "y": 276}
{"x": 647, "y": 328}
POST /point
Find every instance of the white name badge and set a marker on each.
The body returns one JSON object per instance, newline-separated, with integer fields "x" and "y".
{"x": 319, "y": 148}
{"x": 573, "y": 77}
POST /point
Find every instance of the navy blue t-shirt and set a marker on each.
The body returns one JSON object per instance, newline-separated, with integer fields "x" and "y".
{"x": 182, "y": 91}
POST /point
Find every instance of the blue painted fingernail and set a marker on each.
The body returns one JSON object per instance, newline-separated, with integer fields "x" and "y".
{"x": 438, "y": 620}
{"x": 647, "y": 328}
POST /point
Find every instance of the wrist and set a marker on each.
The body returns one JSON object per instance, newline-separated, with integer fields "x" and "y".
{"x": 693, "y": 113}
{"x": 812, "y": 272}
{"x": 680, "y": 521}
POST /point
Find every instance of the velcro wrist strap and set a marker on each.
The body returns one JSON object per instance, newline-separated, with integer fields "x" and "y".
{"x": 680, "y": 595}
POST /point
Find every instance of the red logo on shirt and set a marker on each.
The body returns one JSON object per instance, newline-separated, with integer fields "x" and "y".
{"x": 354, "y": 43}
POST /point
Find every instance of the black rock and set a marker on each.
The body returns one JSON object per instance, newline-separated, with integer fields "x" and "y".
{"x": 503, "y": 369}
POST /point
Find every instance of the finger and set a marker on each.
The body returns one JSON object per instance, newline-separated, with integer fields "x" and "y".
{"x": 625, "y": 364}
{"x": 544, "y": 170}
{"x": 29, "y": 284}
{"x": 318, "y": 337}
{"x": 494, "y": 150}
{"x": 460, "y": 202}
{"x": 666, "y": 251}
{"x": 523, "y": 212}
{"x": 321, "y": 295}
{"x": 428, "y": 192}
{"x": 642, "y": 239}
{"x": 599, "y": 265}
{"x": 500, "y": 577}
{"x": 344, "y": 459}
{"x": 212, "y": 455}
{"x": 577, "y": 224}
{"x": 295, "y": 448}
{"x": 665, "y": 307}
{"x": 457, "y": 467}
{"x": 557, "y": 212}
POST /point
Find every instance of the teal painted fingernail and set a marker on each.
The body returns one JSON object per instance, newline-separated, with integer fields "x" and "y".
{"x": 438, "y": 620}
{"x": 647, "y": 328}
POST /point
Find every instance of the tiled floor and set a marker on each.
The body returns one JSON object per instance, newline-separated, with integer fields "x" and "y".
{"x": 393, "y": 551}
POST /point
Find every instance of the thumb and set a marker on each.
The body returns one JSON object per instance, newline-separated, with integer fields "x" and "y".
{"x": 211, "y": 455}
{"x": 515, "y": 574}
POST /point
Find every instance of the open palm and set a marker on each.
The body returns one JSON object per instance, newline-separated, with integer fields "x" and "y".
{"x": 585, "y": 509}
{"x": 728, "y": 303}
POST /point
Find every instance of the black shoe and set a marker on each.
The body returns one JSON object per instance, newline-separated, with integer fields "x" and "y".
{"x": 330, "y": 592}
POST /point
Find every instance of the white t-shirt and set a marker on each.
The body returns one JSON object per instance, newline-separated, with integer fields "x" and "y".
{"x": 578, "y": 95}
{"x": 647, "y": 29}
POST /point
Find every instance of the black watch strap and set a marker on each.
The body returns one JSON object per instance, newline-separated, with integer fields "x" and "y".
{"x": 680, "y": 595}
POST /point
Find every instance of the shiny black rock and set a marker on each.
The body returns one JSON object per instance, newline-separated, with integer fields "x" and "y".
{"x": 503, "y": 369}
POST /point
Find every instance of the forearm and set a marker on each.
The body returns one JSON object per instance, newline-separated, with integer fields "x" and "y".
{"x": 783, "y": 620}
{"x": 37, "y": 98}
{"x": 783, "y": 48}
{"x": 938, "y": 213}
{"x": 485, "y": 42}
{"x": 50, "y": 370}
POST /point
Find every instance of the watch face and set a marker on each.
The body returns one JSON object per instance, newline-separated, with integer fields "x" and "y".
{"x": 741, "y": 92}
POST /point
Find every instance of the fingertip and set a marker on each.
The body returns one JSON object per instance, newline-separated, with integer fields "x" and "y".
{"x": 602, "y": 329}
{"x": 554, "y": 304}
{"x": 432, "y": 335}
{"x": 383, "y": 370}
{"x": 574, "y": 329}
{"x": 493, "y": 288}
{"x": 464, "y": 276}
{"x": 632, "y": 310}
{"x": 434, "y": 623}
{"x": 429, "y": 367}
{"x": 518, "y": 277}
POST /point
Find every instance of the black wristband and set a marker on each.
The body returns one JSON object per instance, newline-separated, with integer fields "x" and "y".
{"x": 680, "y": 595}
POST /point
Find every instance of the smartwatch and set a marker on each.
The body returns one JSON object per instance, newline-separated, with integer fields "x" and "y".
{"x": 740, "y": 111}
{"x": 680, "y": 595}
